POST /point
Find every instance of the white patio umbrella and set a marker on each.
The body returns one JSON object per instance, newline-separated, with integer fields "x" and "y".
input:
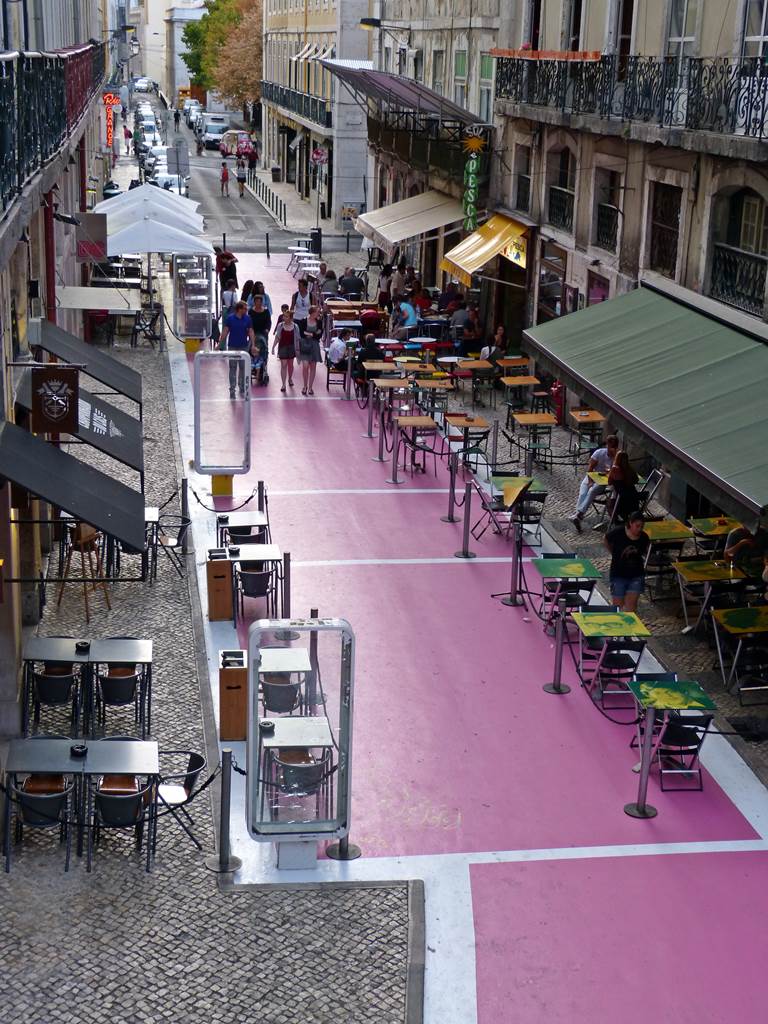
{"x": 149, "y": 236}
{"x": 171, "y": 216}
{"x": 145, "y": 192}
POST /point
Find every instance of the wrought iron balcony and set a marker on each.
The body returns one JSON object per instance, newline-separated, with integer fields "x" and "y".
{"x": 738, "y": 278}
{"x": 560, "y": 210}
{"x": 725, "y": 95}
{"x": 425, "y": 142}
{"x": 607, "y": 226}
{"x": 314, "y": 108}
{"x": 523, "y": 193}
{"x": 42, "y": 98}
{"x": 663, "y": 254}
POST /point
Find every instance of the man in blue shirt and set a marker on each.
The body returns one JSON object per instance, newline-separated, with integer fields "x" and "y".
{"x": 404, "y": 318}
{"x": 237, "y": 336}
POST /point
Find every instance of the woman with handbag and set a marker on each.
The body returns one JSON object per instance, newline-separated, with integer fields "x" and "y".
{"x": 309, "y": 350}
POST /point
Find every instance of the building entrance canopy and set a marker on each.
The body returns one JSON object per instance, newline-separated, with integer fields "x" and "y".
{"x": 388, "y": 226}
{"x": 499, "y": 234}
{"x": 688, "y": 387}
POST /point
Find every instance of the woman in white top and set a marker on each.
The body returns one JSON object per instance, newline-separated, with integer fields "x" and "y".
{"x": 300, "y": 304}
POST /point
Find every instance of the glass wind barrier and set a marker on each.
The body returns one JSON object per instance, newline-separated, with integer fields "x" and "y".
{"x": 222, "y": 412}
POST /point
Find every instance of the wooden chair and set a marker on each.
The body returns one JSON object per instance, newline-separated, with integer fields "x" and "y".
{"x": 87, "y": 540}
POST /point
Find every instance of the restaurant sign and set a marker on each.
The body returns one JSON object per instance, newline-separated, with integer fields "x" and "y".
{"x": 110, "y": 100}
{"x": 474, "y": 144}
{"x": 55, "y": 399}
{"x": 91, "y": 238}
{"x": 517, "y": 251}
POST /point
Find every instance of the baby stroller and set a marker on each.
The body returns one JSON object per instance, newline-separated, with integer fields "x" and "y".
{"x": 259, "y": 356}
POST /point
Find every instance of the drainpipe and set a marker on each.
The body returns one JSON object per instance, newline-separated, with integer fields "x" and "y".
{"x": 50, "y": 257}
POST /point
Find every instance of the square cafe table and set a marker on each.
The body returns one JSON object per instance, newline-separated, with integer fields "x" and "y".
{"x": 660, "y": 530}
{"x": 52, "y": 649}
{"x": 561, "y": 570}
{"x": 513, "y": 362}
{"x": 253, "y": 519}
{"x": 305, "y": 732}
{"x": 653, "y": 696}
{"x": 714, "y": 526}
{"x": 416, "y": 424}
{"x": 607, "y": 625}
{"x": 706, "y": 574}
{"x": 740, "y": 623}
{"x": 128, "y": 651}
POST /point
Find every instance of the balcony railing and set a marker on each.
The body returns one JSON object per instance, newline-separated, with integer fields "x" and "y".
{"x": 42, "y": 98}
{"x": 560, "y": 210}
{"x": 663, "y": 257}
{"x": 523, "y": 194}
{"x": 607, "y": 226}
{"x": 426, "y": 143}
{"x": 738, "y": 278}
{"x": 314, "y": 108}
{"x": 725, "y": 95}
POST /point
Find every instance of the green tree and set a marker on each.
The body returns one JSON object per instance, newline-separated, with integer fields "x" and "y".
{"x": 208, "y": 37}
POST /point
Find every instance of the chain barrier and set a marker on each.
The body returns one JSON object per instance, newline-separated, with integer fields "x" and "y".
{"x": 209, "y": 508}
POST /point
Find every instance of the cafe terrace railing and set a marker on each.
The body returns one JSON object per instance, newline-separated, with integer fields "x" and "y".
{"x": 314, "y": 108}
{"x": 725, "y": 95}
{"x": 42, "y": 98}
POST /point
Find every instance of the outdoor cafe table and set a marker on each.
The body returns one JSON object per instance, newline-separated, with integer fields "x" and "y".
{"x": 654, "y": 696}
{"x": 660, "y": 530}
{"x": 588, "y": 416}
{"x": 270, "y": 554}
{"x": 513, "y": 362}
{"x": 465, "y": 424}
{"x": 740, "y": 623}
{"x": 475, "y": 364}
{"x": 305, "y": 732}
{"x": 713, "y": 528}
{"x": 44, "y": 756}
{"x": 239, "y": 520}
{"x": 416, "y": 425}
{"x": 532, "y": 421}
{"x": 560, "y": 570}
{"x": 706, "y": 574}
{"x": 379, "y": 366}
{"x": 607, "y": 625}
{"x": 516, "y": 385}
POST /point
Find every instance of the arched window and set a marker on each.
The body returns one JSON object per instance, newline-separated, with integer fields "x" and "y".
{"x": 739, "y": 249}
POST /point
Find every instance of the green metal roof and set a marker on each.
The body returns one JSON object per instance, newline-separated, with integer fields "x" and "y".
{"x": 694, "y": 389}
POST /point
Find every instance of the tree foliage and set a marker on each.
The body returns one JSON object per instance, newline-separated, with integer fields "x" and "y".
{"x": 210, "y": 39}
{"x": 238, "y": 68}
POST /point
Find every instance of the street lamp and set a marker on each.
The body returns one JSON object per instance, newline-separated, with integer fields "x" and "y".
{"x": 400, "y": 35}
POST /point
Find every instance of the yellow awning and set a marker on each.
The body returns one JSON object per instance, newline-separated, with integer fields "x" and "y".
{"x": 499, "y": 234}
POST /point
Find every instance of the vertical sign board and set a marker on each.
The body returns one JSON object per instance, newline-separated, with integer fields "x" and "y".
{"x": 110, "y": 100}
{"x": 474, "y": 144}
{"x": 91, "y": 237}
{"x": 55, "y": 399}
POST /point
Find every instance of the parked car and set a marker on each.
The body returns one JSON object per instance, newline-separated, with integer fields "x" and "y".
{"x": 195, "y": 107}
{"x": 154, "y": 154}
{"x": 196, "y": 118}
{"x": 143, "y": 85}
{"x": 170, "y": 182}
{"x": 213, "y": 134}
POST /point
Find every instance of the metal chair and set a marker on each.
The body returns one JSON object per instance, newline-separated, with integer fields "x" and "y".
{"x": 176, "y": 790}
{"x": 145, "y": 325}
{"x": 119, "y": 688}
{"x": 334, "y": 371}
{"x": 280, "y": 696}
{"x": 42, "y": 802}
{"x": 251, "y": 581}
{"x": 55, "y": 690}
{"x": 119, "y": 810}
{"x": 171, "y": 532}
{"x": 616, "y": 665}
{"x": 650, "y": 487}
{"x": 678, "y": 748}
{"x": 298, "y": 774}
{"x": 530, "y": 512}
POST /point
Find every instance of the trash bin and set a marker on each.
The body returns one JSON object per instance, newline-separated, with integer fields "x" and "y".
{"x": 316, "y": 241}
{"x": 276, "y": 173}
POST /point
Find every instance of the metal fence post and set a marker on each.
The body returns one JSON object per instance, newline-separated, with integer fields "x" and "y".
{"x": 380, "y": 456}
{"x": 451, "y": 517}
{"x": 224, "y": 861}
{"x": 266, "y": 238}
{"x": 370, "y": 410}
{"x": 494, "y": 447}
{"x": 556, "y": 686}
{"x": 260, "y": 497}
{"x": 465, "y": 552}
{"x": 184, "y": 511}
{"x": 348, "y": 376}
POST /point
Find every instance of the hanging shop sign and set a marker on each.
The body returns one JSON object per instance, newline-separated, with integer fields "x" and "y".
{"x": 91, "y": 238}
{"x": 110, "y": 100}
{"x": 55, "y": 399}
{"x": 319, "y": 156}
{"x": 517, "y": 252}
{"x": 474, "y": 144}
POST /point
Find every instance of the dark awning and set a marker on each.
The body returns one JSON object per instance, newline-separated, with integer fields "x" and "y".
{"x": 102, "y": 425}
{"x": 72, "y": 485}
{"x": 99, "y": 365}
{"x": 396, "y": 91}
{"x": 688, "y": 387}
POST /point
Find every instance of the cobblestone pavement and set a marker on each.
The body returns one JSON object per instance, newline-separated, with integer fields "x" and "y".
{"x": 126, "y": 946}
{"x": 689, "y": 656}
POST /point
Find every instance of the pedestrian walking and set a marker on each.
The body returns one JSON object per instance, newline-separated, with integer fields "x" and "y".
{"x": 176, "y": 119}
{"x": 628, "y": 546}
{"x": 237, "y": 336}
{"x": 309, "y": 350}
{"x": 240, "y": 174}
{"x": 286, "y": 343}
{"x": 224, "y": 178}
{"x": 252, "y": 159}
{"x": 127, "y": 135}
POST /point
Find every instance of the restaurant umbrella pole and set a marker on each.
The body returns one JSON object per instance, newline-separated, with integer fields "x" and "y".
{"x": 451, "y": 518}
{"x": 286, "y": 634}
{"x": 465, "y": 552}
{"x": 556, "y": 686}
{"x": 370, "y": 410}
{"x": 640, "y": 809}
{"x": 224, "y": 861}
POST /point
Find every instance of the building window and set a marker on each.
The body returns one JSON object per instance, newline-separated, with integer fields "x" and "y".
{"x": 573, "y": 41}
{"x": 598, "y": 289}
{"x": 551, "y": 281}
{"x": 438, "y": 70}
{"x": 387, "y": 58}
{"x": 681, "y": 38}
{"x": 607, "y": 191}
{"x": 522, "y": 179}
{"x": 418, "y": 66}
{"x": 740, "y": 251}
{"x": 665, "y": 228}
{"x": 755, "y": 28}
{"x": 561, "y": 174}
{"x": 460, "y": 78}
{"x": 486, "y": 88}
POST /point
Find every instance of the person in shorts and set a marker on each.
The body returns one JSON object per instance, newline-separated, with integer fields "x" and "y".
{"x": 628, "y": 545}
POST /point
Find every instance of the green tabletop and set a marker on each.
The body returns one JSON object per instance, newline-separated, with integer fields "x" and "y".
{"x": 714, "y": 526}
{"x": 499, "y": 481}
{"x": 682, "y": 695}
{"x": 599, "y": 478}
{"x": 610, "y": 624}
{"x": 667, "y": 529}
{"x": 707, "y": 572}
{"x": 565, "y": 569}
{"x": 743, "y": 620}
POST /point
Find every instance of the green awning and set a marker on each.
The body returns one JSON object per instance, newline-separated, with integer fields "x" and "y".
{"x": 692, "y": 390}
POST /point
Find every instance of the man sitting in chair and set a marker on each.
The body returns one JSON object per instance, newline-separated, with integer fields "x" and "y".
{"x": 601, "y": 462}
{"x": 403, "y": 317}
{"x": 337, "y": 350}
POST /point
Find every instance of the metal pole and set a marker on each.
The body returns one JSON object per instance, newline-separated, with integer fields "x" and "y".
{"x": 348, "y": 380}
{"x": 260, "y": 497}
{"x": 465, "y": 552}
{"x": 451, "y": 518}
{"x": 513, "y": 598}
{"x": 370, "y": 410}
{"x": 529, "y": 459}
{"x": 395, "y": 454}
{"x": 266, "y": 236}
{"x": 556, "y": 686}
{"x": 347, "y": 241}
{"x": 641, "y": 809}
{"x": 312, "y": 678}
{"x": 184, "y": 511}
{"x": 380, "y": 456}
{"x": 224, "y": 862}
{"x": 224, "y": 240}
{"x": 286, "y": 634}
{"x": 494, "y": 447}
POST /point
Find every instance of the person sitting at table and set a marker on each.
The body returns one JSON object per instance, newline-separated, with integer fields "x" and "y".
{"x": 330, "y": 284}
{"x": 410, "y": 277}
{"x": 600, "y": 461}
{"x": 623, "y": 479}
{"x": 403, "y": 317}
{"x": 420, "y": 299}
{"x": 628, "y": 545}
{"x": 322, "y": 273}
{"x": 351, "y": 285}
{"x": 472, "y": 332}
{"x": 447, "y": 296}
{"x": 747, "y": 548}
{"x": 459, "y": 318}
{"x": 337, "y": 350}
{"x": 496, "y": 348}
{"x": 369, "y": 353}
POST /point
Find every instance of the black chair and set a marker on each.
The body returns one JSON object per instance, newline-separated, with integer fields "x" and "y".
{"x": 298, "y": 774}
{"x": 54, "y": 690}
{"x": 530, "y": 512}
{"x": 171, "y": 532}
{"x": 119, "y": 688}
{"x": 678, "y": 749}
{"x": 41, "y": 802}
{"x": 280, "y": 698}
{"x": 659, "y": 566}
{"x": 616, "y": 666}
{"x": 120, "y": 810}
{"x": 145, "y": 325}
{"x": 253, "y": 580}
{"x": 336, "y": 373}
{"x": 176, "y": 790}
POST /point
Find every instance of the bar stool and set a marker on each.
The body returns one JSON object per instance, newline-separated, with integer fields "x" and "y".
{"x": 540, "y": 401}
{"x": 87, "y": 540}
